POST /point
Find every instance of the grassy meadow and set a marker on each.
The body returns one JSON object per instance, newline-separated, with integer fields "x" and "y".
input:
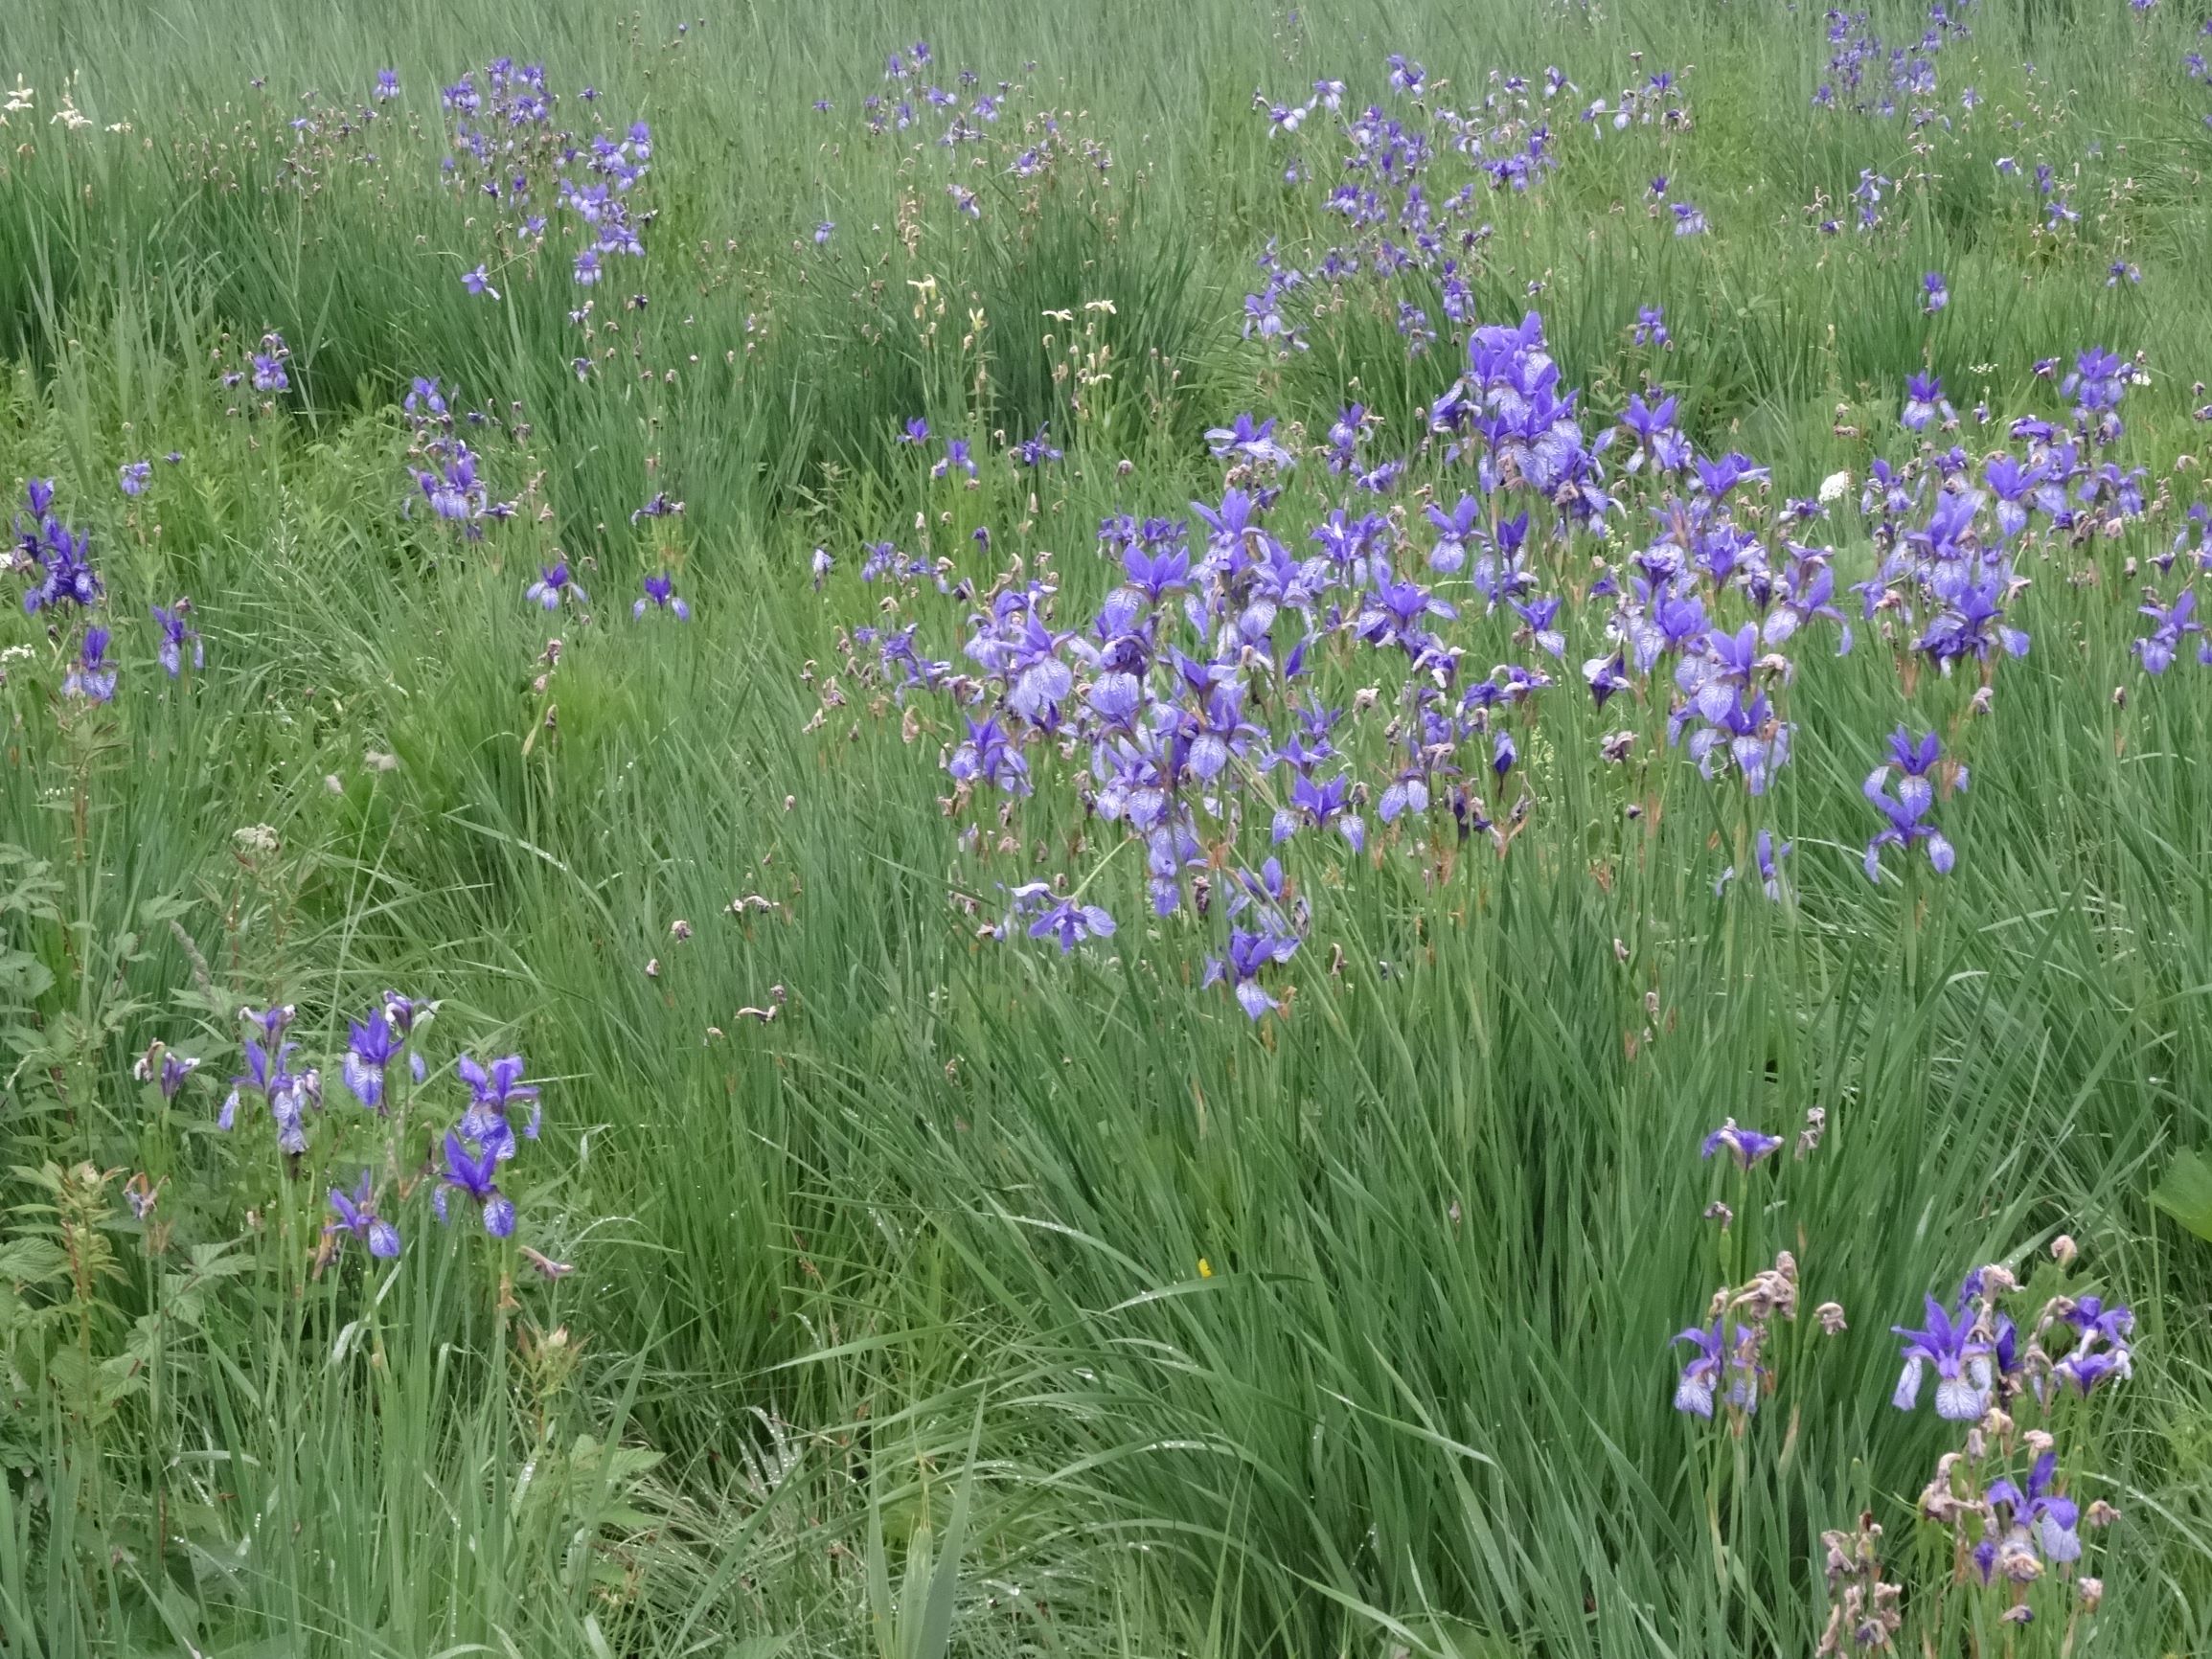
{"x": 907, "y": 1262}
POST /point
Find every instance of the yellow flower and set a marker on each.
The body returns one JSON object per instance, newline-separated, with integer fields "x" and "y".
{"x": 1205, "y": 1269}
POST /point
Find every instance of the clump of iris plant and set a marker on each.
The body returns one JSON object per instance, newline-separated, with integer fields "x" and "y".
{"x": 58, "y": 558}
{"x": 509, "y": 150}
{"x": 1189, "y": 707}
{"x": 1727, "y": 1369}
{"x": 2004, "y": 1494}
{"x": 450, "y": 478}
{"x": 269, "y": 374}
{"x": 287, "y": 1094}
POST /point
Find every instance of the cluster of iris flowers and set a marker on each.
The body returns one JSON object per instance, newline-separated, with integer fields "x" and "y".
{"x": 1411, "y": 179}
{"x": 1208, "y": 693}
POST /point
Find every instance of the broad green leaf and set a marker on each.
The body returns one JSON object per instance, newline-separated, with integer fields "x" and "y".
{"x": 2185, "y": 1193}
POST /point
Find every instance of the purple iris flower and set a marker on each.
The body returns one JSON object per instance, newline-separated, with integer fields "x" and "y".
{"x": 89, "y": 676}
{"x": 1962, "y": 1367}
{"x": 1747, "y": 1146}
{"x": 478, "y": 281}
{"x": 1541, "y": 615}
{"x": 1069, "y": 924}
{"x": 2103, "y": 1348}
{"x": 371, "y": 1045}
{"x": 660, "y": 594}
{"x": 2090, "y": 1316}
{"x": 1155, "y": 575}
{"x": 269, "y": 374}
{"x": 1716, "y": 478}
{"x": 387, "y": 85}
{"x": 1689, "y": 219}
{"x": 917, "y": 432}
{"x": 1651, "y": 324}
{"x": 356, "y": 1214}
{"x": 2170, "y": 623}
{"x": 1456, "y": 531}
{"x": 2085, "y": 1371}
{"x": 175, "y": 1069}
{"x": 1934, "y": 293}
{"x": 1244, "y": 439}
{"x": 491, "y": 1092}
{"x": 1320, "y": 805}
{"x": 1251, "y": 951}
{"x": 1035, "y": 451}
{"x": 1117, "y": 697}
{"x": 474, "y": 1176}
{"x": 1503, "y": 754}
{"x": 132, "y": 475}
{"x": 988, "y": 754}
{"x": 405, "y": 1012}
{"x": 2036, "y": 1519}
{"x": 1606, "y": 675}
{"x": 1659, "y": 441}
{"x": 553, "y": 584}
{"x": 61, "y": 558}
{"x": 1701, "y": 1374}
{"x": 956, "y": 459}
{"x": 455, "y": 493}
{"x": 175, "y": 632}
{"x": 1405, "y": 77}
{"x": 1924, "y": 401}
{"x": 1344, "y": 433}
{"x": 1768, "y": 854}
{"x": 1906, "y": 810}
